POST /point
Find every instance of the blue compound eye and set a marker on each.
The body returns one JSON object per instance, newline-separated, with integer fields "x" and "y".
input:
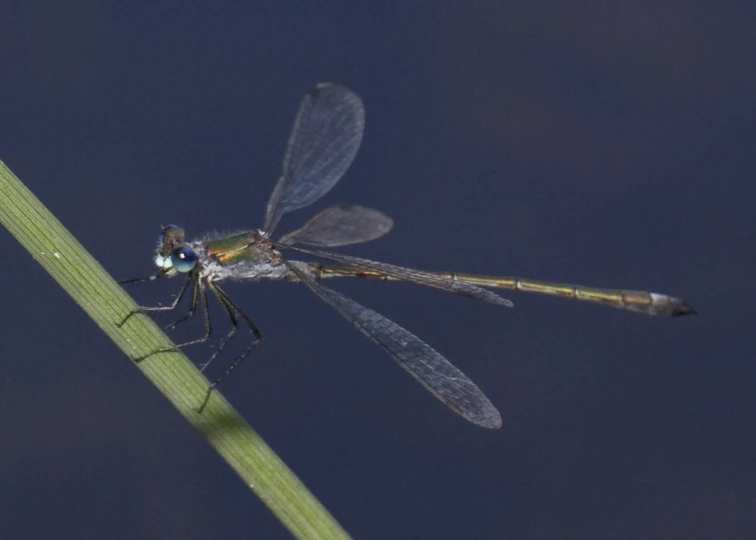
{"x": 183, "y": 259}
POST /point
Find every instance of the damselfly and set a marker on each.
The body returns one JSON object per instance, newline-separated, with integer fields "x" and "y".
{"x": 325, "y": 138}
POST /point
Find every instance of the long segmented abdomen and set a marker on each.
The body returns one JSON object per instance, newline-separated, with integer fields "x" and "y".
{"x": 648, "y": 303}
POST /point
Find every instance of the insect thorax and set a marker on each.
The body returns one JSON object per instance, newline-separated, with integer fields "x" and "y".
{"x": 248, "y": 255}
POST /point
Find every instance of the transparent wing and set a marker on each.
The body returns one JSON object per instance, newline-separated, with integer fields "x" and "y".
{"x": 418, "y": 358}
{"x": 449, "y": 284}
{"x": 324, "y": 140}
{"x": 341, "y": 225}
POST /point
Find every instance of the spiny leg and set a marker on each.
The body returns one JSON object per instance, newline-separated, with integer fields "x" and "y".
{"x": 153, "y": 277}
{"x": 192, "y": 309}
{"x": 252, "y": 328}
{"x": 198, "y": 284}
{"x": 145, "y": 309}
{"x": 231, "y": 308}
{"x": 234, "y": 324}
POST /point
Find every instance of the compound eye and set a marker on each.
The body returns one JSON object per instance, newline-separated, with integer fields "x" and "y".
{"x": 183, "y": 259}
{"x": 172, "y": 235}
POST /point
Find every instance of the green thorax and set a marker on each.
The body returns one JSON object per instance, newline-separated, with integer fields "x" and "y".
{"x": 247, "y": 246}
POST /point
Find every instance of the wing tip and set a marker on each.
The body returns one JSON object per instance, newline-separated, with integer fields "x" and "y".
{"x": 492, "y": 297}
{"x": 488, "y": 417}
{"x": 326, "y": 87}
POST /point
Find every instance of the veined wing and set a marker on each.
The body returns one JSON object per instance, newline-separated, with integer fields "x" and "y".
{"x": 431, "y": 279}
{"x": 418, "y": 358}
{"x": 341, "y": 225}
{"x": 324, "y": 140}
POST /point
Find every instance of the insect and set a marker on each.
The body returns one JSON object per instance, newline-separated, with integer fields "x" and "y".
{"x": 324, "y": 140}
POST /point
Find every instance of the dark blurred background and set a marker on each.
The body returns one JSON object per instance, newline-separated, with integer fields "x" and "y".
{"x": 602, "y": 143}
